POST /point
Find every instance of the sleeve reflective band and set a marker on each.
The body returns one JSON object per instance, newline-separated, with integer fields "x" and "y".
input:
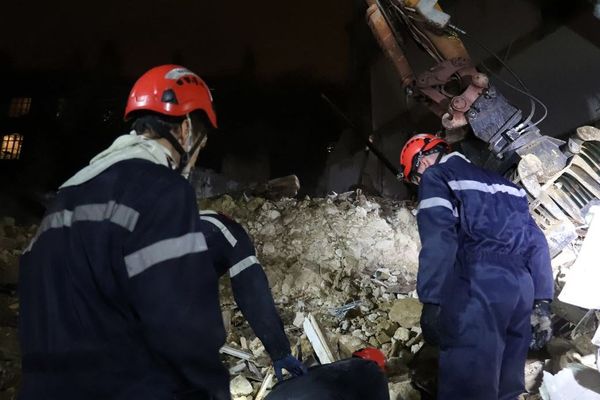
{"x": 437, "y": 202}
{"x": 230, "y": 238}
{"x": 164, "y": 250}
{"x": 242, "y": 265}
{"x": 484, "y": 187}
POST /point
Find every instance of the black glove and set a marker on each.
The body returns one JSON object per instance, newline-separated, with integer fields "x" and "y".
{"x": 289, "y": 363}
{"x": 541, "y": 325}
{"x": 430, "y": 323}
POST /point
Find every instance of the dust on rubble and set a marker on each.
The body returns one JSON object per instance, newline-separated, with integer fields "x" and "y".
{"x": 349, "y": 260}
{"x": 13, "y": 239}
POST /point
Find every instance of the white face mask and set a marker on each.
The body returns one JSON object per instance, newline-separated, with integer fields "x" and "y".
{"x": 190, "y": 138}
{"x": 189, "y": 146}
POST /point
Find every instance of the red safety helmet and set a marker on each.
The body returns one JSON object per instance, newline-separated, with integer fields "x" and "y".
{"x": 414, "y": 150}
{"x": 372, "y": 354}
{"x": 171, "y": 90}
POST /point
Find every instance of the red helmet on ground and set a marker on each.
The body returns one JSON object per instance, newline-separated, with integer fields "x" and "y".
{"x": 171, "y": 90}
{"x": 417, "y": 147}
{"x": 373, "y": 354}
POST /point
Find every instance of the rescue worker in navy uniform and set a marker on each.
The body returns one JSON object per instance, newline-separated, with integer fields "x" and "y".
{"x": 118, "y": 296}
{"x": 232, "y": 251}
{"x": 483, "y": 267}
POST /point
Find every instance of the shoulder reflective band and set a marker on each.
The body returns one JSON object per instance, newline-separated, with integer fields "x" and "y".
{"x": 226, "y": 232}
{"x": 454, "y": 154}
{"x": 484, "y": 187}
{"x": 242, "y": 265}
{"x": 119, "y": 214}
{"x": 164, "y": 250}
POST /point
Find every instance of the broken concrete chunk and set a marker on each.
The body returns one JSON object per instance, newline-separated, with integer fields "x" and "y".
{"x": 416, "y": 347}
{"x": 406, "y": 312}
{"x": 298, "y": 320}
{"x": 273, "y": 214}
{"x": 348, "y": 344}
{"x": 383, "y": 338}
{"x": 257, "y": 348}
{"x": 533, "y": 375}
{"x": 403, "y": 391}
{"x": 402, "y": 335}
{"x": 240, "y": 386}
{"x": 574, "y": 382}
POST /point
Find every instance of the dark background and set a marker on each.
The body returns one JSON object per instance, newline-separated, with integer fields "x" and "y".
{"x": 267, "y": 63}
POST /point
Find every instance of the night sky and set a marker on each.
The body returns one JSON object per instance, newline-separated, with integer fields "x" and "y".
{"x": 211, "y": 37}
{"x": 267, "y": 63}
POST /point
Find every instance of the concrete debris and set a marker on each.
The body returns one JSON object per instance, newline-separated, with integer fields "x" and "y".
{"x": 573, "y": 382}
{"x": 232, "y": 351}
{"x": 351, "y": 262}
{"x": 402, "y": 335}
{"x": 298, "y": 320}
{"x": 13, "y": 239}
{"x": 317, "y": 248}
{"x": 348, "y": 344}
{"x": 266, "y": 384}
{"x": 581, "y": 289}
{"x": 318, "y": 340}
{"x": 406, "y": 312}
{"x": 346, "y": 260}
{"x": 240, "y": 386}
{"x": 533, "y": 375}
{"x": 403, "y": 391}
{"x": 257, "y": 348}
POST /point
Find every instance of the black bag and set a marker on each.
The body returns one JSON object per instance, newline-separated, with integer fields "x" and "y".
{"x": 350, "y": 379}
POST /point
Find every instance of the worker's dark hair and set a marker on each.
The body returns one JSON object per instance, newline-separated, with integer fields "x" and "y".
{"x": 155, "y": 125}
{"x": 159, "y": 125}
{"x": 444, "y": 148}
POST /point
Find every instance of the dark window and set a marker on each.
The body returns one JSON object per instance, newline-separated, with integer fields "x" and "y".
{"x": 19, "y": 106}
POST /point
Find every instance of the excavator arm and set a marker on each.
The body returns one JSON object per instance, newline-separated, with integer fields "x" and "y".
{"x": 453, "y": 89}
{"x": 561, "y": 180}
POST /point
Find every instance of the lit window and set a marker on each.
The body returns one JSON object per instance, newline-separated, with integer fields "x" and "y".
{"x": 11, "y": 147}
{"x": 19, "y": 106}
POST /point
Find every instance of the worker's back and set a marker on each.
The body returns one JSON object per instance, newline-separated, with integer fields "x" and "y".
{"x": 493, "y": 212}
{"x": 116, "y": 298}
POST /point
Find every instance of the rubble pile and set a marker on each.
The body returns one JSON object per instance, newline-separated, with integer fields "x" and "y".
{"x": 346, "y": 263}
{"x": 12, "y": 240}
{"x": 350, "y": 261}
